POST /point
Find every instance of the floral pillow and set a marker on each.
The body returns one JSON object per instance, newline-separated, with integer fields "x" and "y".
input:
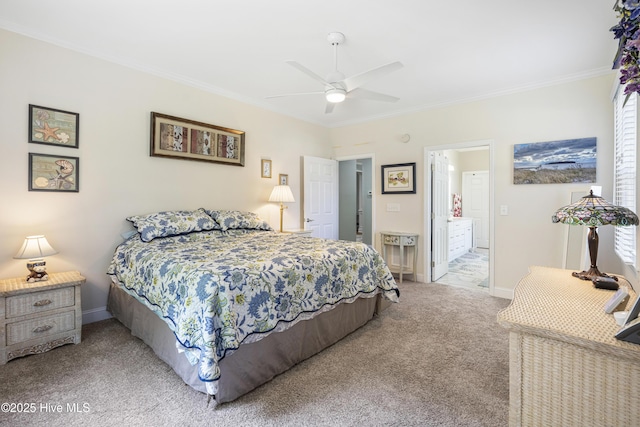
{"x": 238, "y": 219}
{"x": 171, "y": 223}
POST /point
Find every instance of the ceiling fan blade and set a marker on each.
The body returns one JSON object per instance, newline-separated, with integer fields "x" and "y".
{"x": 358, "y": 80}
{"x": 309, "y": 73}
{"x": 369, "y": 94}
{"x": 294, "y": 94}
{"x": 329, "y": 108}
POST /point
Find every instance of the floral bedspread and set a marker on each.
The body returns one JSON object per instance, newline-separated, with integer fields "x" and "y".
{"x": 217, "y": 289}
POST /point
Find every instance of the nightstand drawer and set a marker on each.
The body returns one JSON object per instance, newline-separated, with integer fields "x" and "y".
{"x": 41, "y": 327}
{"x": 37, "y": 302}
{"x": 397, "y": 240}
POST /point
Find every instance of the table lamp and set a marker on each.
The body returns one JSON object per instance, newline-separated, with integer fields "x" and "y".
{"x": 593, "y": 211}
{"x": 281, "y": 194}
{"x": 35, "y": 248}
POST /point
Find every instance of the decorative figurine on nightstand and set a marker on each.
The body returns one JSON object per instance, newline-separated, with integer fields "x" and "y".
{"x": 35, "y": 248}
{"x": 37, "y": 272}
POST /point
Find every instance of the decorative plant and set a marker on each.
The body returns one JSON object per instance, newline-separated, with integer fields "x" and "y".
{"x": 628, "y": 32}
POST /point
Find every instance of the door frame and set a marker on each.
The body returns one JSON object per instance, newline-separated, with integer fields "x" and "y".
{"x": 427, "y": 205}
{"x": 371, "y": 156}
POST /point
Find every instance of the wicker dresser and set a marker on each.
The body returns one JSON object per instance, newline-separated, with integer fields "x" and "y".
{"x": 566, "y": 367}
{"x": 36, "y": 317}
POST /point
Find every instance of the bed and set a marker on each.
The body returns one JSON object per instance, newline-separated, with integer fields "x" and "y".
{"x": 228, "y": 303}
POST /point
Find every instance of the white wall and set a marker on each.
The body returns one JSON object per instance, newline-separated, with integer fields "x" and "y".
{"x": 526, "y": 236}
{"x": 118, "y": 178}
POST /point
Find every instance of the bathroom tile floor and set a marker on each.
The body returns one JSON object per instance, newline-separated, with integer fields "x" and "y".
{"x": 470, "y": 270}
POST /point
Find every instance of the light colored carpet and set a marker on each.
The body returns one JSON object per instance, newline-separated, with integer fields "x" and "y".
{"x": 437, "y": 358}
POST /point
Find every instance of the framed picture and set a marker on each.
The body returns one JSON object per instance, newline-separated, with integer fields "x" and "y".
{"x": 53, "y": 173}
{"x": 568, "y": 161}
{"x": 178, "y": 138}
{"x": 265, "y": 168}
{"x": 283, "y": 179}
{"x": 53, "y": 127}
{"x": 399, "y": 179}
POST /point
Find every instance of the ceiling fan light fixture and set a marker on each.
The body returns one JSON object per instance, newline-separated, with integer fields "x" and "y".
{"x": 336, "y": 95}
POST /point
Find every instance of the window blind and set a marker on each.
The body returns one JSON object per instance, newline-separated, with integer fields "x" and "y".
{"x": 625, "y": 170}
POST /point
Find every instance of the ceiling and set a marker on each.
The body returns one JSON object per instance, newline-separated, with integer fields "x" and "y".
{"x": 452, "y": 51}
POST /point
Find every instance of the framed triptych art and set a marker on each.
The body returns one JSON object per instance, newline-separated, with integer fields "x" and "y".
{"x": 178, "y": 138}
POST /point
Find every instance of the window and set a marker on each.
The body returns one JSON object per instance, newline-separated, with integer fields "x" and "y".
{"x": 624, "y": 181}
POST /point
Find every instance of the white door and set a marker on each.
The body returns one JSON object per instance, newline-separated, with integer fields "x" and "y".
{"x": 475, "y": 204}
{"x": 320, "y": 196}
{"x": 439, "y": 215}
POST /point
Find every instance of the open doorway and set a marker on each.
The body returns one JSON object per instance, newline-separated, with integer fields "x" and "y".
{"x": 459, "y": 215}
{"x": 355, "y": 204}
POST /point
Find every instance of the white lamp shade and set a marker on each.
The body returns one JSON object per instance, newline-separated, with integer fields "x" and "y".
{"x": 35, "y": 247}
{"x": 282, "y": 194}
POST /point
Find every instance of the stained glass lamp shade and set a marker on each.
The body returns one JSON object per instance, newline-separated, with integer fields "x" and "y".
{"x": 593, "y": 211}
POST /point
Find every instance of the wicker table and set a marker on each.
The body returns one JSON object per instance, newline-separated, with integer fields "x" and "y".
{"x": 36, "y": 317}
{"x": 566, "y": 367}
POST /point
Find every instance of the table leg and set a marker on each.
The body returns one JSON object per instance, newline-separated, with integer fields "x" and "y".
{"x": 401, "y": 259}
{"x": 415, "y": 260}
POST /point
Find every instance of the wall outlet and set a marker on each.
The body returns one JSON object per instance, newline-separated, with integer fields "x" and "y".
{"x": 504, "y": 210}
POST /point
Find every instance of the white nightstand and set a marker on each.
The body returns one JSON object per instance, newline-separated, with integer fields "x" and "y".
{"x": 306, "y": 233}
{"x": 36, "y": 317}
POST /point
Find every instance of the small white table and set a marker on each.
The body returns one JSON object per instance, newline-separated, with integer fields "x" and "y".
{"x": 403, "y": 240}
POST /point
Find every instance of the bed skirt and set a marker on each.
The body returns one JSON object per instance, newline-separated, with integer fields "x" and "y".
{"x": 252, "y": 364}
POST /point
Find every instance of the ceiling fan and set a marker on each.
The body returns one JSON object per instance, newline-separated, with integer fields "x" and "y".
{"x": 337, "y": 87}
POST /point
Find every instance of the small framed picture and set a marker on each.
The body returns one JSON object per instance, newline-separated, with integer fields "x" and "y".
{"x": 53, "y": 173}
{"x": 53, "y": 127}
{"x": 265, "y": 167}
{"x": 283, "y": 179}
{"x": 399, "y": 179}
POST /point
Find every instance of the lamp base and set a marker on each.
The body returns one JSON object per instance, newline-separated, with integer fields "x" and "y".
{"x": 592, "y": 273}
{"x": 37, "y": 271}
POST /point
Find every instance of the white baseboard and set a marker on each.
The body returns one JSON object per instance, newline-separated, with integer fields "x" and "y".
{"x": 503, "y": 293}
{"x": 95, "y": 315}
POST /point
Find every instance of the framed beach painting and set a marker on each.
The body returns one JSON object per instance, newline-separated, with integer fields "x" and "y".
{"x": 555, "y": 162}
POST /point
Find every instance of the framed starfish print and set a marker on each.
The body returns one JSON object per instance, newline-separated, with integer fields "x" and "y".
{"x": 53, "y": 127}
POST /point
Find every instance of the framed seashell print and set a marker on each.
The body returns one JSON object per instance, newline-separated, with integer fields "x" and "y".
{"x": 53, "y": 173}
{"x": 53, "y": 127}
